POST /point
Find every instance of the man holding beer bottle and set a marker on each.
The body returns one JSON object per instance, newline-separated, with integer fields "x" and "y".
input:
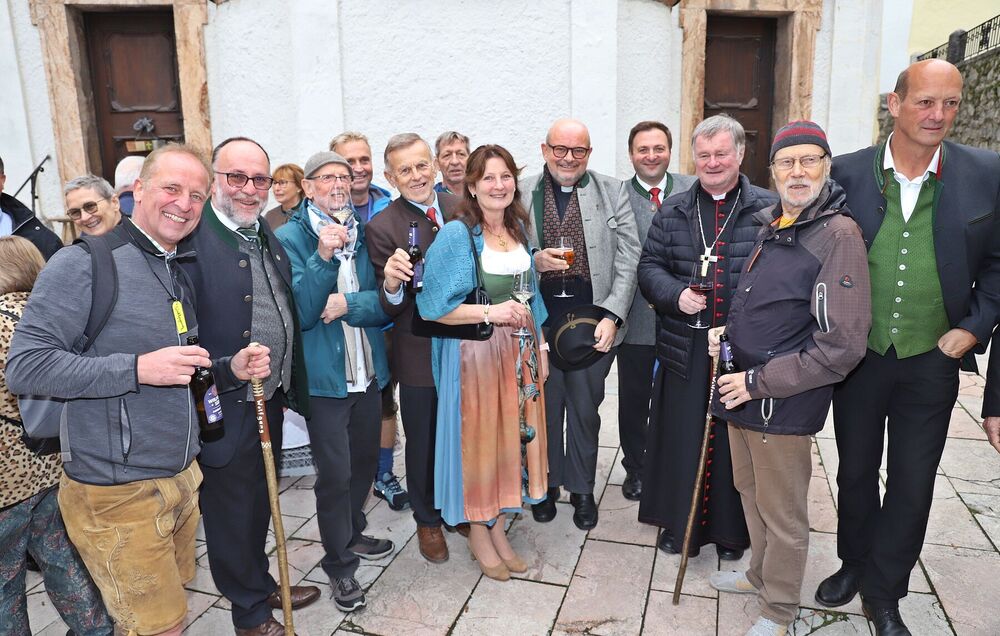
{"x": 797, "y": 324}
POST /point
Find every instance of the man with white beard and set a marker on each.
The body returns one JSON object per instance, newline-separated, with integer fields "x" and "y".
{"x": 243, "y": 283}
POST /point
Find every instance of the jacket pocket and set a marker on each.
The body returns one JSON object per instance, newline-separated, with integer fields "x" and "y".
{"x": 981, "y": 217}
{"x": 125, "y": 430}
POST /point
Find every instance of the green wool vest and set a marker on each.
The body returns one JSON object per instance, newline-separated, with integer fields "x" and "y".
{"x": 907, "y": 307}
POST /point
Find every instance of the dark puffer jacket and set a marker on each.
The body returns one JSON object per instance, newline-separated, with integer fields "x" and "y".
{"x": 670, "y": 253}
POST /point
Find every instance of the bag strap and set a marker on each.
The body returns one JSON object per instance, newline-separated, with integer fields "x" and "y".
{"x": 475, "y": 255}
{"x": 104, "y": 283}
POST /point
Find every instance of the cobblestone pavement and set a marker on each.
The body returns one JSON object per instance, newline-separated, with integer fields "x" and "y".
{"x": 613, "y": 581}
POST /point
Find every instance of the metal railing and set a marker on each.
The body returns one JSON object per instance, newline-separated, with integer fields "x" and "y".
{"x": 964, "y": 45}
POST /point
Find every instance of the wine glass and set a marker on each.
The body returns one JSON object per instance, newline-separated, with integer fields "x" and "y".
{"x": 340, "y": 207}
{"x": 566, "y": 246}
{"x": 523, "y": 290}
{"x": 700, "y": 283}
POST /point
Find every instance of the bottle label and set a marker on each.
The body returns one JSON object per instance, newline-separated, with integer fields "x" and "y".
{"x": 726, "y": 353}
{"x": 418, "y": 275}
{"x": 213, "y": 405}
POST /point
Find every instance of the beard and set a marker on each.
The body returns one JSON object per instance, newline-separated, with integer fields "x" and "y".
{"x": 803, "y": 200}
{"x": 223, "y": 202}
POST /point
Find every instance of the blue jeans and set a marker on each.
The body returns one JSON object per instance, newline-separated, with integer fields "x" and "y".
{"x": 35, "y": 526}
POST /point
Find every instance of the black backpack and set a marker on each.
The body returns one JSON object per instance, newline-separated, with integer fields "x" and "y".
{"x": 42, "y": 415}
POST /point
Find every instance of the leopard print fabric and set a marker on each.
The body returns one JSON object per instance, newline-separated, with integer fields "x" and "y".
{"x": 22, "y": 473}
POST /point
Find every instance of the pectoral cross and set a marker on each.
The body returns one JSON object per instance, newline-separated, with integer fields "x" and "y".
{"x": 706, "y": 260}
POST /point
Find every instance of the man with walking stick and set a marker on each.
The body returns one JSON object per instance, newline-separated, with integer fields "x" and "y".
{"x": 705, "y": 234}
{"x": 243, "y": 281}
{"x": 797, "y": 325}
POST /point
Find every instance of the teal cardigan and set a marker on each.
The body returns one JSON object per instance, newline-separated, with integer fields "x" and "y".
{"x": 449, "y": 276}
{"x": 313, "y": 280}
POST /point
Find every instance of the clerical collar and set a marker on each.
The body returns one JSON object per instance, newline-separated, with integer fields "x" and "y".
{"x": 719, "y": 197}
{"x": 559, "y": 186}
{"x": 233, "y": 227}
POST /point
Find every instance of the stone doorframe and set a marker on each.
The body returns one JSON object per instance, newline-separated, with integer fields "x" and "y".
{"x": 798, "y": 22}
{"x": 60, "y": 27}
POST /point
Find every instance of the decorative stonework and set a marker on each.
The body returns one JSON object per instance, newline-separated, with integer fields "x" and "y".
{"x": 798, "y": 22}
{"x": 64, "y": 53}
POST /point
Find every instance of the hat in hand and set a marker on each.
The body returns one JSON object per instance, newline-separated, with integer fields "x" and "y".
{"x": 571, "y": 338}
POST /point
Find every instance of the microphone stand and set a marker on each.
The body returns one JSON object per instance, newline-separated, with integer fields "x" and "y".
{"x": 33, "y": 179}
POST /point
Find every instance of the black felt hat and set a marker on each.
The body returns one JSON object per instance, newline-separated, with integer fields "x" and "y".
{"x": 571, "y": 338}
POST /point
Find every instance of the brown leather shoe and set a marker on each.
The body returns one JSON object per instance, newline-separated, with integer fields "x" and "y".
{"x": 270, "y": 627}
{"x": 432, "y": 545}
{"x": 302, "y": 596}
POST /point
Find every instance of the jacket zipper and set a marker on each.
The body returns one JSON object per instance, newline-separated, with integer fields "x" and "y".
{"x": 190, "y": 406}
{"x": 125, "y": 426}
{"x": 766, "y": 411}
{"x": 821, "y": 315}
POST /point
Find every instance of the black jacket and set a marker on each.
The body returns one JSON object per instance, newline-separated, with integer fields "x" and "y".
{"x": 966, "y": 229}
{"x": 670, "y": 253}
{"x": 27, "y": 225}
{"x": 800, "y": 317}
{"x": 222, "y": 281}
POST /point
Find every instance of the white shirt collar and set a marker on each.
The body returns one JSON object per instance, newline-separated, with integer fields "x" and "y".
{"x": 230, "y": 224}
{"x": 662, "y": 185}
{"x": 423, "y": 208}
{"x": 889, "y": 162}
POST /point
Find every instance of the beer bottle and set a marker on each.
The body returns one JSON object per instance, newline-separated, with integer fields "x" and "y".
{"x": 206, "y": 402}
{"x": 416, "y": 284}
{"x": 726, "y": 362}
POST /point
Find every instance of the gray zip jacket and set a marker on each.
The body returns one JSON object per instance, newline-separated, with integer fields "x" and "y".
{"x": 118, "y": 431}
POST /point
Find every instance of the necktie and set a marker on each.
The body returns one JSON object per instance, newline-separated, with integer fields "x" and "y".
{"x": 249, "y": 234}
{"x": 654, "y": 196}
{"x": 432, "y": 215}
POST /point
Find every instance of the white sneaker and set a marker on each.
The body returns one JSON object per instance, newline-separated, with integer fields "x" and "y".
{"x": 767, "y": 627}
{"x": 735, "y": 582}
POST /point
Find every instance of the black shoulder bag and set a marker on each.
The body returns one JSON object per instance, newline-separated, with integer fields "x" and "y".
{"x": 478, "y": 296}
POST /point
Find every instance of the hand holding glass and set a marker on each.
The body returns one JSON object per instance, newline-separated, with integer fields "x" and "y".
{"x": 567, "y": 255}
{"x": 700, "y": 283}
{"x": 523, "y": 290}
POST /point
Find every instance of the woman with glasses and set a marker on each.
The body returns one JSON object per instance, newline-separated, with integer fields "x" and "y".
{"x": 287, "y": 190}
{"x": 490, "y": 399}
{"x": 30, "y": 522}
{"x": 92, "y": 205}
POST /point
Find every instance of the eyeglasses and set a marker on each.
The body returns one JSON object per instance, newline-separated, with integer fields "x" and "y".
{"x": 579, "y": 152}
{"x": 808, "y": 161}
{"x": 89, "y": 207}
{"x": 327, "y": 179}
{"x": 283, "y": 182}
{"x": 238, "y": 180}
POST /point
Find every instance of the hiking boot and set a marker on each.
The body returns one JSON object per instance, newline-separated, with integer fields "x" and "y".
{"x": 387, "y": 487}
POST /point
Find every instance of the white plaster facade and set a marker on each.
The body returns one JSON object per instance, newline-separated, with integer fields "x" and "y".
{"x": 292, "y": 75}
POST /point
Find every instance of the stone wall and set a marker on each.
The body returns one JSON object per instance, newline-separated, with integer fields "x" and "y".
{"x": 977, "y": 121}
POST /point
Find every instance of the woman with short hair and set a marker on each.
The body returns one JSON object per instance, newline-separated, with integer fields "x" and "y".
{"x": 288, "y": 192}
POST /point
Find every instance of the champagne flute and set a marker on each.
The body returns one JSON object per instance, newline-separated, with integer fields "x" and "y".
{"x": 700, "y": 283}
{"x": 523, "y": 290}
{"x": 567, "y": 255}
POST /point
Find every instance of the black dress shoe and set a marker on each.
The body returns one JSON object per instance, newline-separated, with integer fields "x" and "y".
{"x": 585, "y": 515}
{"x": 839, "y": 588}
{"x": 632, "y": 487}
{"x": 887, "y": 620}
{"x": 728, "y": 554}
{"x": 545, "y": 511}
{"x": 666, "y": 543}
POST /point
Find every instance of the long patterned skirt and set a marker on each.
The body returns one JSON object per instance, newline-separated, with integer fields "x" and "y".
{"x": 485, "y": 390}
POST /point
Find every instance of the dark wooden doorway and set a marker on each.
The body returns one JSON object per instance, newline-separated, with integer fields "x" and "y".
{"x": 133, "y": 67}
{"x": 739, "y": 81}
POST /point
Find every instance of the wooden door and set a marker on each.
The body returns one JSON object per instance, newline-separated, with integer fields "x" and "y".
{"x": 739, "y": 81}
{"x": 133, "y": 66}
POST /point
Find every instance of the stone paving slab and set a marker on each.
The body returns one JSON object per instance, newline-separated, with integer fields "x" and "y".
{"x": 613, "y": 580}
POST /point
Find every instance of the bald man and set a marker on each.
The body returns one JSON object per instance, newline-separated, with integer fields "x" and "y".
{"x": 593, "y": 211}
{"x": 929, "y": 211}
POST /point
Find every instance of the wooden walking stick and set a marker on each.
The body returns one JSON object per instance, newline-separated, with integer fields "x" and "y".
{"x": 699, "y": 481}
{"x": 257, "y": 387}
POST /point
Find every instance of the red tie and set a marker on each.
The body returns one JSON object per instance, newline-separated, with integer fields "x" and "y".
{"x": 654, "y": 196}
{"x": 432, "y": 215}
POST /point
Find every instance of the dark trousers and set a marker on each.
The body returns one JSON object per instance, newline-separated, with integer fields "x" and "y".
{"x": 575, "y": 396}
{"x": 236, "y": 512}
{"x": 343, "y": 436}
{"x": 418, "y": 410}
{"x": 635, "y": 388}
{"x": 916, "y": 395}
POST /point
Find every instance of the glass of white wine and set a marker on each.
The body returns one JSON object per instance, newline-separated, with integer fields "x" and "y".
{"x": 523, "y": 290}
